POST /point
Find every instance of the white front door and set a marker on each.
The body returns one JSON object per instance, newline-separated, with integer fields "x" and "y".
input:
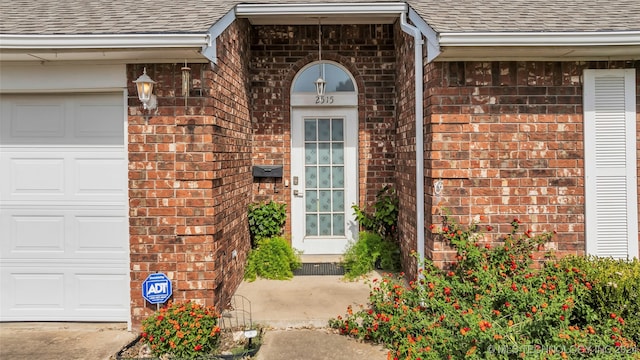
{"x": 324, "y": 181}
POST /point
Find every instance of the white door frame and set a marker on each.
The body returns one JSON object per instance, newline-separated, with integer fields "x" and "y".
{"x": 340, "y": 101}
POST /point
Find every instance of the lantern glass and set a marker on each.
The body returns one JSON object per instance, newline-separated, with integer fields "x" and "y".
{"x": 320, "y": 86}
{"x": 144, "y": 91}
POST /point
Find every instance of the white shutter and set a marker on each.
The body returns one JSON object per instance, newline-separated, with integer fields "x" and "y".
{"x": 610, "y": 163}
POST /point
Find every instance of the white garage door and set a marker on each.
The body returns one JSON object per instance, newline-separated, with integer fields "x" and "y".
{"x": 63, "y": 200}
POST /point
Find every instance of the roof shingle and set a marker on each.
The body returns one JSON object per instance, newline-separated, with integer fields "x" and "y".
{"x": 58, "y": 17}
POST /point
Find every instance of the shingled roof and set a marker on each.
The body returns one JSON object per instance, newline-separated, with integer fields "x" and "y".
{"x": 60, "y": 17}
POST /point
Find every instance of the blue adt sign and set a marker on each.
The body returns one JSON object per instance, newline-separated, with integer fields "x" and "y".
{"x": 156, "y": 289}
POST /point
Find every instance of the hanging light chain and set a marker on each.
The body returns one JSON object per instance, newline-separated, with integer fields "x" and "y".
{"x": 319, "y": 40}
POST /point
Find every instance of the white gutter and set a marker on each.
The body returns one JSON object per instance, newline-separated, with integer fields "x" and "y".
{"x": 611, "y": 38}
{"x": 419, "y": 95}
{"x": 112, "y": 41}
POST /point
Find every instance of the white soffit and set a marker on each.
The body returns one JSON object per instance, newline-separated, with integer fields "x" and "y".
{"x": 108, "y": 41}
{"x": 540, "y": 53}
{"x": 614, "y": 45}
{"x": 128, "y": 47}
{"x": 602, "y": 38}
{"x": 129, "y": 56}
{"x": 328, "y": 13}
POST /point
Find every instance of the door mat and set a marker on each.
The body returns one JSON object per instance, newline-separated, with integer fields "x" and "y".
{"x": 315, "y": 269}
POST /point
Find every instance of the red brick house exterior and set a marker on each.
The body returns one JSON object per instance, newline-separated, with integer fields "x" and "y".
{"x": 503, "y": 131}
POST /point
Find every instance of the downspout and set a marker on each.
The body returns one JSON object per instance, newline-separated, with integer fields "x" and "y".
{"x": 419, "y": 110}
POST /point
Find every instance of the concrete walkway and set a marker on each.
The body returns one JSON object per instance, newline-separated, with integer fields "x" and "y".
{"x": 62, "y": 341}
{"x": 298, "y": 312}
{"x": 316, "y": 344}
{"x": 295, "y": 312}
{"x": 304, "y": 301}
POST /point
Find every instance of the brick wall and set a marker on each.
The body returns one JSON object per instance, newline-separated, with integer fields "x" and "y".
{"x": 506, "y": 139}
{"x": 279, "y": 52}
{"x": 189, "y": 178}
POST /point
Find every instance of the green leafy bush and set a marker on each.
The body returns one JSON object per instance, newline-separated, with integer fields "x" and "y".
{"x": 182, "y": 330}
{"x": 266, "y": 220}
{"x": 492, "y": 304}
{"x": 377, "y": 245}
{"x": 383, "y": 219}
{"x": 615, "y": 284}
{"x": 369, "y": 252}
{"x": 273, "y": 258}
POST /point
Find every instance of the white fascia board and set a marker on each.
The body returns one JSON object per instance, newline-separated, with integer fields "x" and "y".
{"x": 433, "y": 45}
{"x": 540, "y": 38}
{"x": 318, "y": 9}
{"x": 112, "y": 41}
{"x": 210, "y": 50}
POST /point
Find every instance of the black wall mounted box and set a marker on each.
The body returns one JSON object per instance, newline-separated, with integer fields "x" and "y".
{"x": 267, "y": 171}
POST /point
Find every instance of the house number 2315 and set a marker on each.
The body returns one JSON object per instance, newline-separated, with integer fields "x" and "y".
{"x": 324, "y": 100}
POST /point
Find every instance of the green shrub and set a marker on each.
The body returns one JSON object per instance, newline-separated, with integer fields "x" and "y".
{"x": 369, "y": 252}
{"x": 615, "y": 285}
{"x": 273, "y": 258}
{"x": 266, "y": 220}
{"x": 383, "y": 219}
{"x": 182, "y": 330}
{"x": 377, "y": 245}
{"x": 492, "y": 304}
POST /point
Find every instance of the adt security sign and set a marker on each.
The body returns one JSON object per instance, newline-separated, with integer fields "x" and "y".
{"x": 156, "y": 289}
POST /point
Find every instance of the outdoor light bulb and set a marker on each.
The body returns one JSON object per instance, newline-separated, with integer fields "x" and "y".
{"x": 144, "y": 90}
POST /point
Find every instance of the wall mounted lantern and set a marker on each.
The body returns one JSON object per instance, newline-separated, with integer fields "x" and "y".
{"x": 145, "y": 91}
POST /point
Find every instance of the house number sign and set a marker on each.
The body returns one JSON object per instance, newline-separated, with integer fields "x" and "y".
{"x": 324, "y": 100}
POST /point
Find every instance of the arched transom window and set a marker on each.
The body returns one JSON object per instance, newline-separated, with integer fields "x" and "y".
{"x": 340, "y": 87}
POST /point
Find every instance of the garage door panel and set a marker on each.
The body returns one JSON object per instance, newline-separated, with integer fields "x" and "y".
{"x": 63, "y": 174}
{"x": 26, "y": 175}
{"x": 75, "y": 292}
{"x": 65, "y": 234}
{"x": 64, "y": 244}
{"x": 92, "y": 121}
{"x": 52, "y": 119}
{"x": 102, "y": 235}
{"x": 99, "y": 176}
{"x": 26, "y": 121}
{"x": 34, "y": 291}
{"x": 33, "y": 235}
{"x": 94, "y": 291}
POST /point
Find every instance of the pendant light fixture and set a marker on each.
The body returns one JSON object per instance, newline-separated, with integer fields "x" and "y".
{"x": 320, "y": 83}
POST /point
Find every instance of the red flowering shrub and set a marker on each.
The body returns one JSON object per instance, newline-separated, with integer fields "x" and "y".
{"x": 491, "y": 304}
{"x": 184, "y": 330}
